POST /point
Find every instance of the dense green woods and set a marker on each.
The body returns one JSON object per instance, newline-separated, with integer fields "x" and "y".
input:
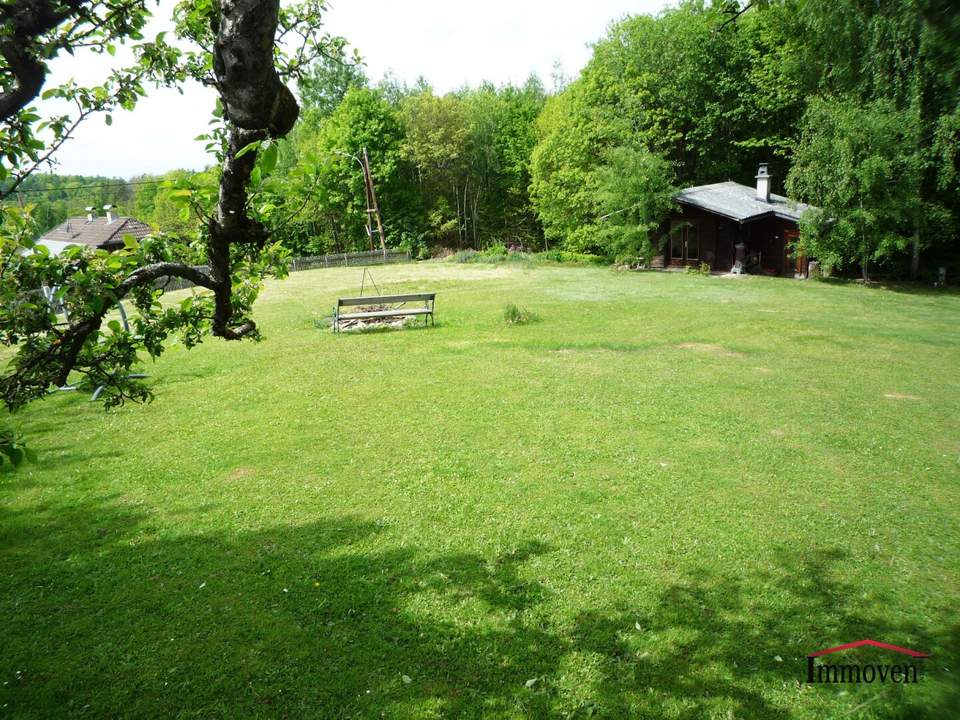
{"x": 450, "y": 171}
{"x": 854, "y": 105}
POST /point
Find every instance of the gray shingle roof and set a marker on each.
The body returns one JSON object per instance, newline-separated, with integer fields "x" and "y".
{"x": 97, "y": 233}
{"x": 739, "y": 202}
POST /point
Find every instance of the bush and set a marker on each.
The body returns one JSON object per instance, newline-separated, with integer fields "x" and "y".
{"x": 415, "y": 245}
{"x": 701, "y": 269}
{"x": 13, "y": 449}
{"x": 494, "y": 254}
{"x": 565, "y": 256}
{"x": 514, "y": 315}
{"x": 496, "y": 250}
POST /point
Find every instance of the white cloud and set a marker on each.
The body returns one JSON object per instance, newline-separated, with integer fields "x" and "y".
{"x": 449, "y": 43}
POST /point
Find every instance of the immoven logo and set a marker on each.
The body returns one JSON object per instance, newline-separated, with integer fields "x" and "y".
{"x": 835, "y": 673}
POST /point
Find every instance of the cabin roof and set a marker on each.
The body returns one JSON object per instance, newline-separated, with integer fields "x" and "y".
{"x": 739, "y": 202}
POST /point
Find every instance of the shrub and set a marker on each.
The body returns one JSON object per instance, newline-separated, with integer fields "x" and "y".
{"x": 565, "y": 256}
{"x": 701, "y": 269}
{"x": 514, "y": 315}
{"x": 494, "y": 254}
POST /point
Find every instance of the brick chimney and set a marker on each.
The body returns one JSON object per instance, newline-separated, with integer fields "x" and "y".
{"x": 90, "y": 213}
{"x": 763, "y": 183}
{"x": 112, "y": 215}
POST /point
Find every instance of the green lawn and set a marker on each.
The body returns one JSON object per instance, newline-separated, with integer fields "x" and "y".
{"x": 653, "y": 502}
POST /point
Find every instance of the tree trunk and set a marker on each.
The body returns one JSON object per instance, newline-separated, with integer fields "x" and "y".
{"x": 456, "y": 194}
{"x": 336, "y": 233}
{"x": 915, "y": 256}
{"x": 476, "y": 203}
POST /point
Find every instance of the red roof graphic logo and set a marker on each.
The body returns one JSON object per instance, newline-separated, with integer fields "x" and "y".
{"x": 874, "y": 643}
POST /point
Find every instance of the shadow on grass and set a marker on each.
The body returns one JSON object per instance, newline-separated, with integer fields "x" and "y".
{"x": 108, "y": 615}
{"x": 904, "y": 287}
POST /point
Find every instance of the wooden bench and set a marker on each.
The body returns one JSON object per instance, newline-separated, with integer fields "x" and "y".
{"x": 399, "y": 301}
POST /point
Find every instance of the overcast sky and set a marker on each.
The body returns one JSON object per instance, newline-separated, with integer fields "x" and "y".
{"x": 450, "y": 43}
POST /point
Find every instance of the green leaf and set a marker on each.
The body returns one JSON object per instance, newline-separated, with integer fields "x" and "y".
{"x": 248, "y": 148}
{"x": 108, "y": 119}
{"x": 269, "y": 160}
{"x": 255, "y": 176}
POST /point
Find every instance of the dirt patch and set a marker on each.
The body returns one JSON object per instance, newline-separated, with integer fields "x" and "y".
{"x": 241, "y": 473}
{"x": 900, "y": 396}
{"x": 777, "y": 432}
{"x": 709, "y": 348}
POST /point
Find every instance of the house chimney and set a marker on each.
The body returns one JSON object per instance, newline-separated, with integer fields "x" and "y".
{"x": 90, "y": 213}
{"x": 763, "y": 183}
{"x": 111, "y": 215}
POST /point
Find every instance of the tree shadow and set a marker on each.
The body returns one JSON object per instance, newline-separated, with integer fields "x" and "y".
{"x": 108, "y": 619}
{"x": 111, "y": 614}
{"x": 902, "y": 287}
{"x": 712, "y": 644}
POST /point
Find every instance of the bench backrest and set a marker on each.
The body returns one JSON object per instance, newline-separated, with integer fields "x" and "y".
{"x": 386, "y": 299}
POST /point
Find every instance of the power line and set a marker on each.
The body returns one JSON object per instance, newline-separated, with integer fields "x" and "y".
{"x": 85, "y": 187}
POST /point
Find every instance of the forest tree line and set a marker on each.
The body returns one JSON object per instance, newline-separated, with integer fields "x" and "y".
{"x": 854, "y": 106}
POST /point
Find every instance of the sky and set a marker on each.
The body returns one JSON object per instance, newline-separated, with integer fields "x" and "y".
{"x": 449, "y": 43}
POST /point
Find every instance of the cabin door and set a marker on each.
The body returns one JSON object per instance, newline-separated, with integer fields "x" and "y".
{"x": 684, "y": 242}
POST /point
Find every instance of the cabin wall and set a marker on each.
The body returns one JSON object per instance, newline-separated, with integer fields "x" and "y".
{"x": 675, "y": 234}
{"x": 765, "y": 239}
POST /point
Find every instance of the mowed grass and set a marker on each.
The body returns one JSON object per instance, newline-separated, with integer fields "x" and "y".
{"x": 653, "y": 501}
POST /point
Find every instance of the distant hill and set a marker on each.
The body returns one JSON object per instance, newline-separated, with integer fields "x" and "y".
{"x": 144, "y": 197}
{"x": 57, "y": 197}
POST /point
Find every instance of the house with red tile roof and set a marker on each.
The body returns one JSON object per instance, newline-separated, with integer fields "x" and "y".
{"x": 104, "y": 233}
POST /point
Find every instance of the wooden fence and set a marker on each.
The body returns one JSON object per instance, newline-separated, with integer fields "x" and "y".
{"x": 313, "y": 262}
{"x": 371, "y": 257}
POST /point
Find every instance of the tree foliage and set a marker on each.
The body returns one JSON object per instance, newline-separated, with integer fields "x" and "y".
{"x": 233, "y": 47}
{"x": 327, "y": 81}
{"x": 854, "y": 162}
{"x": 674, "y": 85}
{"x": 636, "y": 192}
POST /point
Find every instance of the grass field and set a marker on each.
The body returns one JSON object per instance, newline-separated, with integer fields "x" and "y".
{"x": 652, "y": 502}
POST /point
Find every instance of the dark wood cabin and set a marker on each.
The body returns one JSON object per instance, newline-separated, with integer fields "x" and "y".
{"x": 711, "y": 221}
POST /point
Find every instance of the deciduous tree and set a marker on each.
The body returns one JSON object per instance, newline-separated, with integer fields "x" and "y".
{"x": 239, "y": 48}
